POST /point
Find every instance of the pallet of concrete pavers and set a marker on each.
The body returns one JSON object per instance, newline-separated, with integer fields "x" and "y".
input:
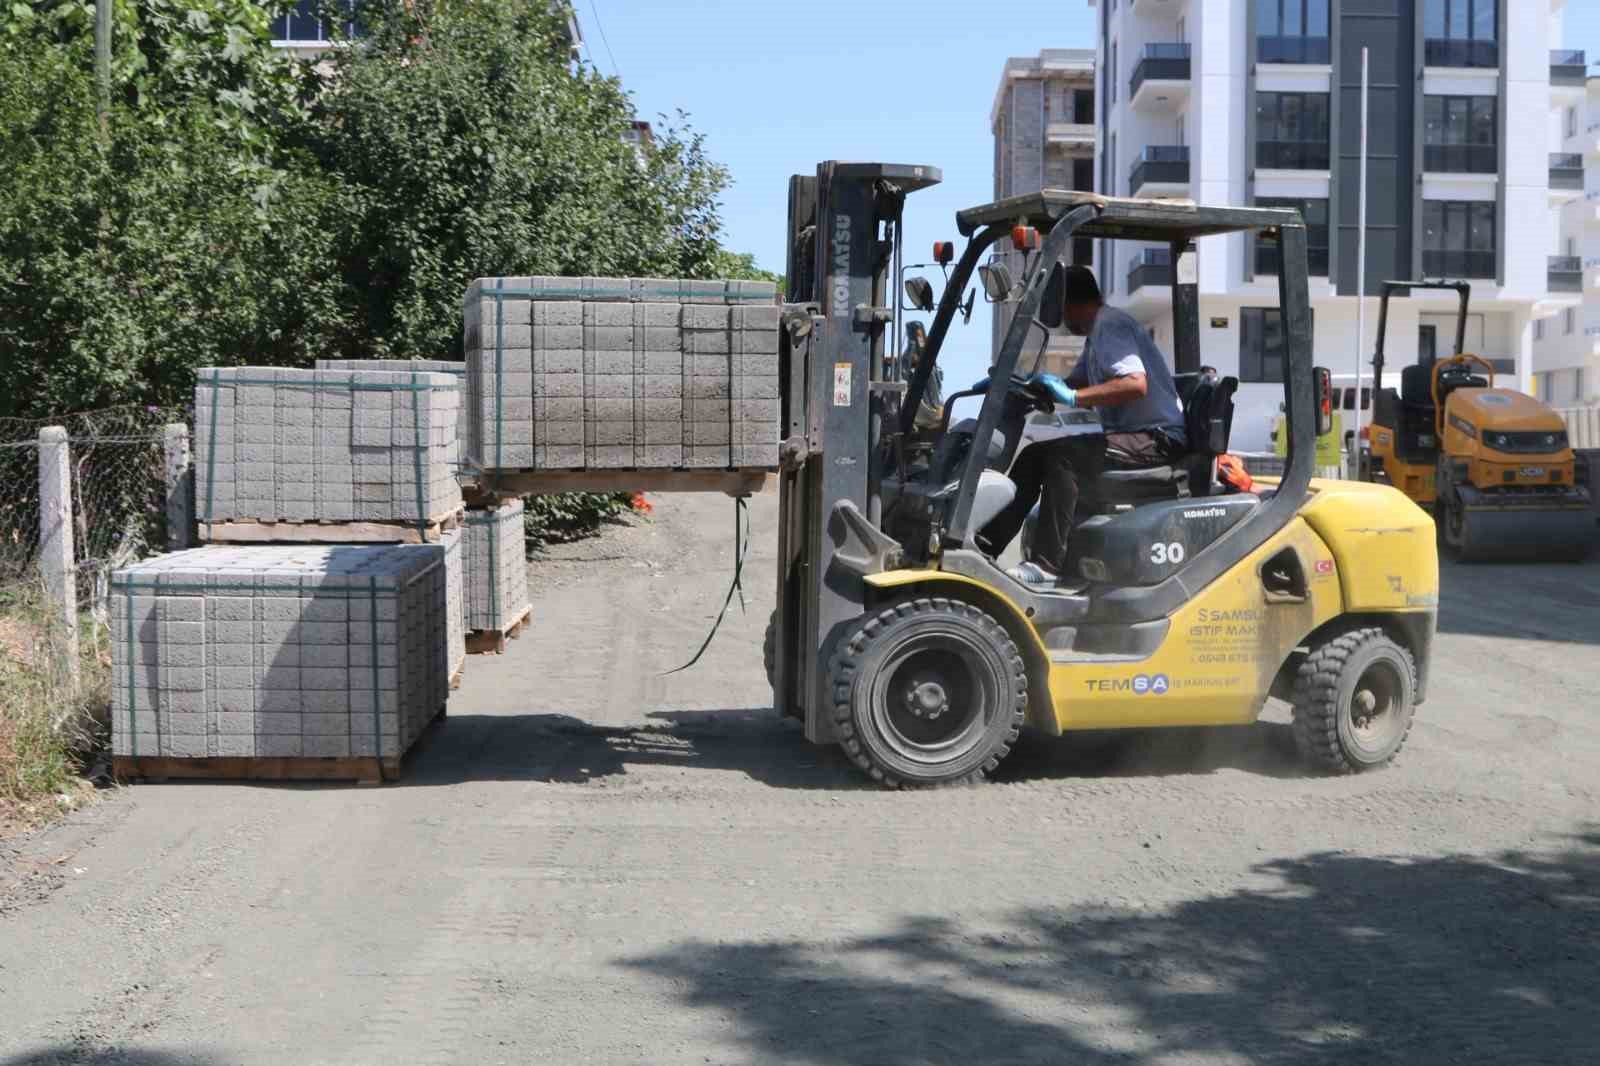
{"x": 328, "y": 456}
{"x": 456, "y": 370}
{"x": 568, "y": 374}
{"x": 306, "y": 661}
{"x": 498, "y": 607}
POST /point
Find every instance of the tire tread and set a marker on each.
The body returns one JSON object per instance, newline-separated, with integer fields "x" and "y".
{"x": 1316, "y": 699}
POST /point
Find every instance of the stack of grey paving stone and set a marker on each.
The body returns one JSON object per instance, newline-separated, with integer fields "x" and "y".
{"x": 621, "y": 373}
{"x": 275, "y": 445}
{"x": 496, "y": 567}
{"x": 431, "y": 366}
{"x": 279, "y": 651}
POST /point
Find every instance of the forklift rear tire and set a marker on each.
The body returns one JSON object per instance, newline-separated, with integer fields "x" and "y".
{"x": 928, "y": 692}
{"x": 1354, "y": 701}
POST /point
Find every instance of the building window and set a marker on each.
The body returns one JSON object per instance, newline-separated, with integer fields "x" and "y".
{"x": 1458, "y": 238}
{"x": 1113, "y": 72}
{"x": 1461, "y": 33}
{"x": 1459, "y": 134}
{"x": 1292, "y": 131}
{"x": 1572, "y": 122}
{"x": 1292, "y": 31}
{"x": 1261, "y": 344}
{"x": 300, "y": 24}
{"x": 1538, "y": 329}
{"x": 1569, "y": 322}
{"x": 1315, "y": 212}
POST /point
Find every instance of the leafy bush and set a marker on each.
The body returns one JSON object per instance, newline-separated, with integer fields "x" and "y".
{"x": 47, "y": 727}
{"x": 569, "y": 516}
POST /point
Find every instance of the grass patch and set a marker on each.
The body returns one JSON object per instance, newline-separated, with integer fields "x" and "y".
{"x": 50, "y": 728}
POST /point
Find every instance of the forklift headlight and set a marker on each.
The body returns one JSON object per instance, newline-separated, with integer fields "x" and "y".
{"x": 1496, "y": 440}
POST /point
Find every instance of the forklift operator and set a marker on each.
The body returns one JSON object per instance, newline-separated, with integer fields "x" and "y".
{"x": 1123, "y": 374}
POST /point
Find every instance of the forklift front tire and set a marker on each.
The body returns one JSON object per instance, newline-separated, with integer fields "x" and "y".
{"x": 928, "y": 692}
{"x": 1354, "y": 701}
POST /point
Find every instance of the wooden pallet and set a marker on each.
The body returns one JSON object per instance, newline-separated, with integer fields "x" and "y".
{"x": 495, "y": 485}
{"x": 493, "y": 641}
{"x": 257, "y": 531}
{"x": 363, "y": 770}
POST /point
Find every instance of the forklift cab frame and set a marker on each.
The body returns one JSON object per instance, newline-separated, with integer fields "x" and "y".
{"x": 844, "y": 229}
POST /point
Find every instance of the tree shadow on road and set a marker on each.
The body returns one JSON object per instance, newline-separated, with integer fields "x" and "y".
{"x": 755, "y": 742}
{"x": 1345, "y": 960}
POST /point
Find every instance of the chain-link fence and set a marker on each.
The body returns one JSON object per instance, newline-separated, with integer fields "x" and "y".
{"x": 117, "y": 484}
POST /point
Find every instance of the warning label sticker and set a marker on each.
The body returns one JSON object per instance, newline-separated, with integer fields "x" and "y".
{"x": 841, "y": 384}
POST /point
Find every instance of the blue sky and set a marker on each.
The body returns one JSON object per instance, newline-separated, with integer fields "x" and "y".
{"x": 776, "y": 89}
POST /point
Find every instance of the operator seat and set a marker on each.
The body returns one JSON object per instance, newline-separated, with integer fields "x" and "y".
{"x": 1208, "y": 424}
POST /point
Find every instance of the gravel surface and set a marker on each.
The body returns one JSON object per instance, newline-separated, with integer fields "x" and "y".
{"x": 591, "y": 862}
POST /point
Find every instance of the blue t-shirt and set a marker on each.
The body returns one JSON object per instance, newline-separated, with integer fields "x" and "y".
{"x": 1119, "y": 346}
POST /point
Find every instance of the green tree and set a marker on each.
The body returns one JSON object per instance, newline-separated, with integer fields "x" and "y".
{"x": 472, "y": 148}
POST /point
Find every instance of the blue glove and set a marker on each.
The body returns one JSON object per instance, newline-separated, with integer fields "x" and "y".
{"x": 1064, "y": 395}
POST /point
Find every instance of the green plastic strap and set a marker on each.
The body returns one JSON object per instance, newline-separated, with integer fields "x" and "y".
{"x": 370, "y": 386}
{"x": 133, "y": 720}
{"x": 741, "y": 517}
{"x": 499, "y": 376}
{"x": 676, "y": 292}
{"x": 340, "y": 592}
{"x": 419, "y": 432}
{"x": 211, "y": 449}
{"x": 494, "y": 551}
{"x": 377, "y": 696}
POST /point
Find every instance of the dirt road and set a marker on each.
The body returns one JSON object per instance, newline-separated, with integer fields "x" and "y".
{"x": 593, "y": 863}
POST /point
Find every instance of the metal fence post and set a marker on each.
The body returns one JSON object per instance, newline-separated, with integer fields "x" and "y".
{"x": 57, "y": 562}
{"x": 180, "y": 486}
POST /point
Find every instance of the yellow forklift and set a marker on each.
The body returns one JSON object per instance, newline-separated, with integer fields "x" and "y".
{"x": 1493, "y": 464}
{"x": 897, "y": 638}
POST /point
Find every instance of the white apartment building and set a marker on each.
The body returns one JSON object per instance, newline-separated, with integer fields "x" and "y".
{"x": 1258, "y": 102}
{"x": 1043, "y": 121}
{"x": 1566, "y": 346}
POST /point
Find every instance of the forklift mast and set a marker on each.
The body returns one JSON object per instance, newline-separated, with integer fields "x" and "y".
{"x": 843, "y": 227}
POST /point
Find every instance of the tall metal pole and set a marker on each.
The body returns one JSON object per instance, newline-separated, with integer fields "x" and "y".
{"x": 1361, "y": 266}
{"x": 102, "y": 62}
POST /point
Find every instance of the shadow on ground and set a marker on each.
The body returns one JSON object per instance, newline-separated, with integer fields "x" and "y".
{"x": 1347, "y": 960}
{"x": 79, "y": 1056}
{"x": 754, "y": 742}
{"x": 1552, "y": 601}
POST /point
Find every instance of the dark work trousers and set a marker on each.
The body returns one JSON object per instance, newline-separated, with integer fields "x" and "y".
{"x": 1061, "y": 471}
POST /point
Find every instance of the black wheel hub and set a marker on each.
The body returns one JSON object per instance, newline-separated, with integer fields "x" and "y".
{"x": 926, "y": 699}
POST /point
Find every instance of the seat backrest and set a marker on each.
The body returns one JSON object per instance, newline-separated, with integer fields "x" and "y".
{"x": 1416, "y": 385}
{"x": 1208, "y": 417}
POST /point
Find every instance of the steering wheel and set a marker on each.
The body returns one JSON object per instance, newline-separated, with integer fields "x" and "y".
{"x": 1456, "y": 365}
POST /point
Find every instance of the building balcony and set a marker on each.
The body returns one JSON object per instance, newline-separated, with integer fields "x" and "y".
{"x": 1292, "y": 155}
{"x": 1565, "y": 273}
{"x": 1443, "y": 52}
{"x": 1153, "y": 267}
{"x": 1160, "y": 171}
{"x": 1458, "y": 264}
{"x": 1569, "y": 68}
{"x": 1566, "y": 172}
{"x": 1310, "y": 51}
{"x": 1268, "y": 257}
{"x": 1160, "y": 80}
{"x": 1461, "y": 158}
{"x": 1070, "y": 134}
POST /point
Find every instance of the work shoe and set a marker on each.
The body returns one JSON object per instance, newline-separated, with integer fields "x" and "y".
{"x": 1031, "y": 573}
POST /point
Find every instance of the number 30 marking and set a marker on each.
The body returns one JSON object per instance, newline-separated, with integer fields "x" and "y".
{"x": 1162, "y": 554}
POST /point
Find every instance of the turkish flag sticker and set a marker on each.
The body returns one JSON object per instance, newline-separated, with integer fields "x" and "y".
{"x": 1324, "y": 566}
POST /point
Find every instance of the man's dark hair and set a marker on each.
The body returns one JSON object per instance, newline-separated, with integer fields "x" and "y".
{"x": 1081, "y": 286}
